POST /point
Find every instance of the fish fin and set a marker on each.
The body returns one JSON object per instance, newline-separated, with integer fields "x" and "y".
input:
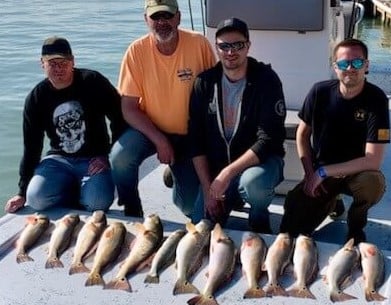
{"x": 191, "y": 228}
{"x": 275, "y": 290}
{"x": 23, "y": 257}
{"x": 78, "y": 268}
{"x": 349, "y": 244}
{"x": 301, "y": 292}
{"x": 314, "y": 275}
{"x": 202, "y": 300}
{"x": 182, "y": 287}
{"x": 91, "y": 251}
{"x": 120, "y": 284}
{"x": 373, "y": 295}
{"x": 196, "y": 265}
{"x": 152, "y": 279}
{"x": 347, "y": 281}
{"x": 145, "y": 264}
{"x": 139, "y": 227}
{"x": 53, "y": 262}
{"x": 254, "y": 293}
{"x": 340, "y": 296}
{"x": 93, "y": 279}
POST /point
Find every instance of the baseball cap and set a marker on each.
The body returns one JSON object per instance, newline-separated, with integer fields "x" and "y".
{"x": 56, "y": 47}
{"x": 154, "y": 6}
{"x": 231, "y": 25}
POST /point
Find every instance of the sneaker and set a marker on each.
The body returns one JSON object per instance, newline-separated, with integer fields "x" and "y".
{"x": 167, "y": 177}
{"x": 133, "y": 211}
{"x": 238, "y": 205}
{"x": 262, "y": 226}
{"x": 338, "y": 210}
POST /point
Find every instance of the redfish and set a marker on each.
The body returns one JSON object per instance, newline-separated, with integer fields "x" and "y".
{"x": 36, "y": 225}
{"x": 222, "y": 260}
{"x": 165, "y": 256}
{"x": 252, "y": 257}
{"x": 60, "y": 239}
{"x": 339, "y": 271}
{"x": 190, "y": 252}
{"x": 372, "y": 263}
{"x": 109, "y": 248}
{"x": 277, "y": 259}
{"x": 148, "y": 239}
{"x": 305, "y": 267}
{"x": 86, "y": 240}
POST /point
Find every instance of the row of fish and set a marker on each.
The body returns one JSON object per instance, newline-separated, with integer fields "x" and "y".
{"x": 303, "y": 253}
{"x": 188, "y": 248}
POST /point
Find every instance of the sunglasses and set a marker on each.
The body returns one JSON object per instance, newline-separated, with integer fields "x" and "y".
{"x": 231, "y": 46}
{"x": 162, "y": 16}
{"x": 58, "y": 64}
{"x": 344, "y": 64}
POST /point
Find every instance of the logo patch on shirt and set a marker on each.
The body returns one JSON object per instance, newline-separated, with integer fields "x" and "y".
{"x": 383, "y": 134}
{"x": 185, "y": 74}
{"x": 360, "y": 115}
{"x": 280, "y": 108}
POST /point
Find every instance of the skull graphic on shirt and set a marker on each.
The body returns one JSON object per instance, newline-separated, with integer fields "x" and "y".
{"x": 70, "y": 126}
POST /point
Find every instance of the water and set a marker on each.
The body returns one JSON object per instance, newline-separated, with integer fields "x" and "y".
{"x": 99, "y": 32}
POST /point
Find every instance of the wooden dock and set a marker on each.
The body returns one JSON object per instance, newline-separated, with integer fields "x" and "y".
{"x": 382, "y": 8}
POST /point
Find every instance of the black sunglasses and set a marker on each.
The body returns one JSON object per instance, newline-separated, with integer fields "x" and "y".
{"x": 231, "y": 46}
{"x": 162, "y": 16}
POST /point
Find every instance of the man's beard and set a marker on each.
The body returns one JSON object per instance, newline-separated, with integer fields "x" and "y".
{"x": 164, "y": 36}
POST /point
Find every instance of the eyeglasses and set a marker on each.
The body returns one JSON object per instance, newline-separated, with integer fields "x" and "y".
{"x": 231, "y": 46}
{"x": 162, "y": 16}
{"x": 344, "y": 64}
{"x": 58, "y": 64}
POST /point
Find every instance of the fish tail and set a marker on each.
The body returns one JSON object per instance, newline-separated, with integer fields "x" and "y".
{"x": 120, "y": 284}
{"x": 152, "y": 279}
{"x": 373, "y": 295}
{"x": 94, "y": 279}
{"x": 202, "y": 300}
{"x": 301, "y": 292}
{"x": 54, "y": 262}
{"x": 275, "y": 290}
{"x": 23, "y": 257}
{"x": 78, "y": 268}
{"x": 254, "y": 293}
{"x": 340, "y": 296}
{"x": 184, "y": 286}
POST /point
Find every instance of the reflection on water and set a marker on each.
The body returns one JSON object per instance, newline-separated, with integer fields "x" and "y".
{"x": 378, "y": 38}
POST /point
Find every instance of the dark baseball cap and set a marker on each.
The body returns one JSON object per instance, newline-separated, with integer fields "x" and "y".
{"x": 56, "y": 47}
{"x": 154, "y": 6}
{"x": 232, "y": 25}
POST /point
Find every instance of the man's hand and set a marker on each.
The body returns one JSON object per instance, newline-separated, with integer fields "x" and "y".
{"x": 98, "y": 165}
{"x": 219, "y": 185}
{"x": 313, "y": 185}
{"x": 14, "y": 204}
{"x": 215, "y": 209}
{"x": 165, "y": 152}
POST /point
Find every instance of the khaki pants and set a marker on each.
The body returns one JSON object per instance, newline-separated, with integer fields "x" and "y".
{"x": 303, "y": 214}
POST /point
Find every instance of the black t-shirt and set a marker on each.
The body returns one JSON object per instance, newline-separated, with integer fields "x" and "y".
{"x": 341, "y": 128}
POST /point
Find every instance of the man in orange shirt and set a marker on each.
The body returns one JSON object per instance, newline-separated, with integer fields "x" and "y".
{"x": 155, "y": 82}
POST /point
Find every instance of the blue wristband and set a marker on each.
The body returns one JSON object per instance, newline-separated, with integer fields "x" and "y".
{"x": 322, "y": 172}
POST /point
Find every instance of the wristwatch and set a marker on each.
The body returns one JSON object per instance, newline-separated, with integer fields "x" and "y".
{"x": 322, "y": 172}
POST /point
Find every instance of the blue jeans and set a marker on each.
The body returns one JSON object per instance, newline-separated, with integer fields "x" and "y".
{"x": 65, "y": 182}
{"x": 127, "y": 154}
{"x": 254, "y": 186}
